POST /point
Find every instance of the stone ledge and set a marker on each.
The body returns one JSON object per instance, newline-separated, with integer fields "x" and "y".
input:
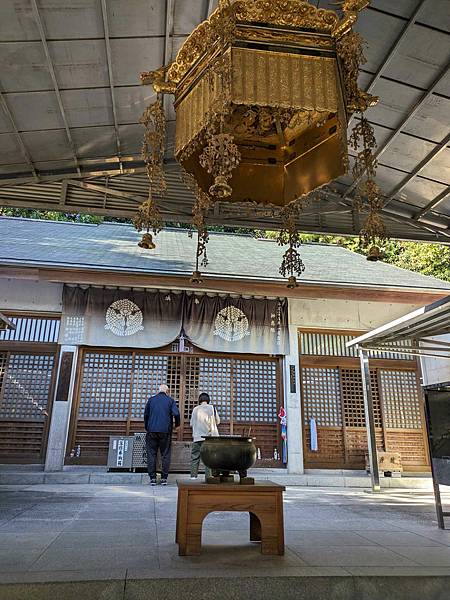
{"x": 21, "y": 477}
{"x": 61, "y": 477}
{"x": 239, "y": 588}
{"x": 116, "y": 478}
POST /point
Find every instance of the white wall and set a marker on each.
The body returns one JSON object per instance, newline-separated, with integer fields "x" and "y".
{"x": 28, "y": 295}
{"x": 345, "y": 314}
{"x": 436, "y": 370}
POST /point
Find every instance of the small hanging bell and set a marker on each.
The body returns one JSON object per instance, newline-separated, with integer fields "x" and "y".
{"x": 374, "y": 254}
{"x": 147, "y": 242}
{"x": 292, "y": 282}
{"x": 196, "y": 277}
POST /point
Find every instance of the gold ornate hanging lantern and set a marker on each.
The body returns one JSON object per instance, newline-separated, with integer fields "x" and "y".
{"x": 263, "y": 92}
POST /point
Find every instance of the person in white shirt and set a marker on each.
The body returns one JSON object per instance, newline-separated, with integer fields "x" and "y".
{"x": 204, "y": 421}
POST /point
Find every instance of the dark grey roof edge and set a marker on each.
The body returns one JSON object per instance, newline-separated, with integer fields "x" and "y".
{"x": 214, "y": 276}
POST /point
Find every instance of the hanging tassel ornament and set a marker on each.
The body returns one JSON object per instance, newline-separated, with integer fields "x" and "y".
{"x": 367, "y": 194}
{"x": 149, "y": 216}
{"x": 291, "y": 265}
{"x": 202, "y": 205}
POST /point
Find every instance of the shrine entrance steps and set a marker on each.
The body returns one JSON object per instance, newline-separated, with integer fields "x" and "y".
{"x": 35, "y": 474}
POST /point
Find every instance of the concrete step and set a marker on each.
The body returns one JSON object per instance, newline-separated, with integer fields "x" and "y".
{"x": 315, "y": 586}
{"x": 27, "y": 468}
{"x": 98, "y": 476}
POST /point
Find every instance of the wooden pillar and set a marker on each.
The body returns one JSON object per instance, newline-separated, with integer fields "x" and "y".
{"x": 370, "y": 421}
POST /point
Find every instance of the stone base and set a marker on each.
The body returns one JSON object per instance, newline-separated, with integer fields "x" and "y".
{"x": 34, "y": 475}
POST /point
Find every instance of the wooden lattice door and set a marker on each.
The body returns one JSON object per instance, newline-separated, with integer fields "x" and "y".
{"x": 403, "y": 417}
{"x": 246, "y": 395}
{"x": 255, "y": 406}
{"x": 26, "y": 385}
{"x": 114, "y": 386}
{"x": 322, "y": 402}
{"x": 112, "y": 392}
{"x": 354, "y": 422}
{"x": 333, "y": 396}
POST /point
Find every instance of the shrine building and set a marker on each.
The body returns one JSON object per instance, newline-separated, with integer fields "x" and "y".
{"x": 100, "y": 323}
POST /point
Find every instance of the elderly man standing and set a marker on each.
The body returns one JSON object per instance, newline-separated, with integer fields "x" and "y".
{"x": 160, "y": 413}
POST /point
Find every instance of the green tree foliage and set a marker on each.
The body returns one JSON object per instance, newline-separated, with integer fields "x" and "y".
{"x": 49, "y": 215}
{"x": 421, "y": 257}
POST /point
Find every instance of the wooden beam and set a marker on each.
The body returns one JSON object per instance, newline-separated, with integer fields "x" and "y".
{"x": 93, "y": 187}
{"x": 217, "y": 284}
{"x": 13, "y": 181}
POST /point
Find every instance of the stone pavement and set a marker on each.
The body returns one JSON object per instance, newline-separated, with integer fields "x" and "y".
{"x": 119, "y": 541}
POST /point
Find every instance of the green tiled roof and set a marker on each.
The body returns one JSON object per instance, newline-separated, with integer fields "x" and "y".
{"x": 113, "y": 247}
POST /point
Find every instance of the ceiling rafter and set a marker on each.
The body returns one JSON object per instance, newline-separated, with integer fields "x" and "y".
{"x": 410, "y": 115}
{"x": 168, "y": 33}
{"x": 209, "y": 7}
{"x": 17, "y": 181}
{"x": 63, "y": 195}
{"x": 168, "y": 45}
{"x": 420, "y": 167}
{"x": 393, "y": 49}
{"x": 407, "y": 220}
{"x": 111, "y": 78}
{"x": 50, "y": 66}
{"x": 19, "y": 138}
{"x": 440, "y": 198}
{"x": 94, "y": 187}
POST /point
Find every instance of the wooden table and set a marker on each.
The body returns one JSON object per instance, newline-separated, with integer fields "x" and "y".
{"x": 263, "y": 501}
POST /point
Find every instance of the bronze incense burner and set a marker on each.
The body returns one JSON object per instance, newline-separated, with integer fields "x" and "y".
{"x": 227, "y": 454}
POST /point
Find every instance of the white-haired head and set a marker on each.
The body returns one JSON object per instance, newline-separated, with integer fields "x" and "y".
{"x": 163, "y": 388}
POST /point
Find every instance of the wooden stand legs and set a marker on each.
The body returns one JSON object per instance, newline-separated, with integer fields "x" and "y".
{"x": 255, "y": 528}
{"x": 264, "y": 503}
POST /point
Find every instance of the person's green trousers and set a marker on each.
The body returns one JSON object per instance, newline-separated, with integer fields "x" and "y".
{"x": 195, "y": 459}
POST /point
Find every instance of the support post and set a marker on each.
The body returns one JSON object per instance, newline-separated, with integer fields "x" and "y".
{"x": 62, "y": 404}
{"x": 436, "y": 489}
{"x": 370, "y": 422}
{"x": 293, "y": 404}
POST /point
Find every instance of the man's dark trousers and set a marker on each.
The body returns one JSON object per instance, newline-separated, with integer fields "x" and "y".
{"x": 163, "y": 442}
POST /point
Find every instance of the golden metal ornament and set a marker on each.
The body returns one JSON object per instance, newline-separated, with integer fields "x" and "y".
{"x": 196, "y": 278}
{"x": 203, "y": 204}
{"x": 154, "y": 122}
{"x": 374, "y": 254}
{"x": 291, "y": 264}
{"x": 220, "y": 157}
{"x": 263, "y": 91}
{"x": 148, "y": 217}
{"x": 253, "y": 57}
{"x": 367, "y": 194}
{"x": 147, "y": 242}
